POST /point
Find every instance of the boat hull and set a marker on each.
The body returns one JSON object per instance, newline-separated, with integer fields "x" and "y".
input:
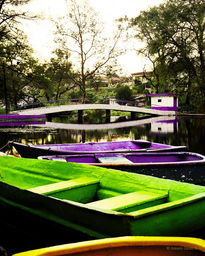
{"x": 104, "y": 225}
{"x": 180, "y": 166}
{"x": 23, "y": 230}
{"x": 34, "y": 151}
{"x": 129, "y": 246}
{"x": 191, "y": 173}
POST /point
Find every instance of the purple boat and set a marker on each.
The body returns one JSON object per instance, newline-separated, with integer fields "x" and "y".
{"x": 21, "y": 120}
{"x": 34, "y": 151}
{"x": 181, "y": 166}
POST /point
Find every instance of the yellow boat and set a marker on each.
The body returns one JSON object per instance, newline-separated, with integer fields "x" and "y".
{"x": 126, "y": 246}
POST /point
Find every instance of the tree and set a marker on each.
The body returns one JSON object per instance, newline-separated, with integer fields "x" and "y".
{"x": 59, "y": 74}
{"x": 16, "y": 70}
{"x": 9, "y": 17}
{"x": 12, "y": 46}
{"x": 174, "y": 37}
{"x": 81, "y": 33}
{"x": 124, "y": 93}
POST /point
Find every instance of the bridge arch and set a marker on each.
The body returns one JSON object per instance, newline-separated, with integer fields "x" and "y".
{"x": 81, "y": 107}
{"x": 49, "y": 110}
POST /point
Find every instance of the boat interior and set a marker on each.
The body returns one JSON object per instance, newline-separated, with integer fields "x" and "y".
{"x": 104, "y": 146}
{"x": 128, "y": 158}
{"x": 98, "y": 188}
{"x": 117, "y": 196}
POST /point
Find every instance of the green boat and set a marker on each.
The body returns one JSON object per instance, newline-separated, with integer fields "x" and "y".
{"x": 96, "y": 201}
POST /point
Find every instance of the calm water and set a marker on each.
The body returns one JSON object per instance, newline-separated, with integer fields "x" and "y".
{"x": 188, "y": 131}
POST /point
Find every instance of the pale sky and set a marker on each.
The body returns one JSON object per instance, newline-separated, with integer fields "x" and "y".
{"x": 40, "y": 32}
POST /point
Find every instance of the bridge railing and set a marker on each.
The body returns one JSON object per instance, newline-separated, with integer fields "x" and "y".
{"x": 122, "y": 102}
{"x": 79, "y": 101}
{"x": 48, "y": 103}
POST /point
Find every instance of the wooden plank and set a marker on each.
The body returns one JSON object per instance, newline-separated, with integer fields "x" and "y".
{"x": 114, "y": 160}
{"x": 128, "y": 200}
{"x": 68, "y": 184}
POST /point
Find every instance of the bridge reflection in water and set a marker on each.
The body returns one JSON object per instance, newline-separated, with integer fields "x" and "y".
{"x": 153, "y": 121}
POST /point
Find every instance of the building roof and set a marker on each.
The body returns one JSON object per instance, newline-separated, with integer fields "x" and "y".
{"x": 161, "y": 94}
{"x": 141, "y": 73}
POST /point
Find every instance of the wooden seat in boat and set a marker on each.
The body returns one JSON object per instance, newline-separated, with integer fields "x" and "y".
{"x": 80, "y": 190}
{"x": 117, "y": 160}
{"x": 131, "y": 201}
{"x": 68, "y": 184}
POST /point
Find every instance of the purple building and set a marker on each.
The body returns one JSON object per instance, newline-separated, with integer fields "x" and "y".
{"x": 164, "y": 101}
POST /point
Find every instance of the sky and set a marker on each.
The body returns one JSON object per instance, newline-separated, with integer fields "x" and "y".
{"x": 41, "y": 37}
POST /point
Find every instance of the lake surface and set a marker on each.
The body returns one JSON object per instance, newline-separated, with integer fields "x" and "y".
{"x": 188, "y": 131}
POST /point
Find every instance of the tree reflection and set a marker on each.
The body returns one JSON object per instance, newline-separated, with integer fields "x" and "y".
{"x": 190, "y": 133}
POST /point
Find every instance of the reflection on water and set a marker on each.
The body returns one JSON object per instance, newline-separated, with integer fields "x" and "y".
{"x": 164, "y": 127}
{"x": 181, "y": 131}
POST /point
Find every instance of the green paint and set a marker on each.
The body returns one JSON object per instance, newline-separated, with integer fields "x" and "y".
{"x": 104, "y": 193}
{"x": 134, "y": 200}
{"x": 101, "y": 202}
{"x": 80, "y": 190}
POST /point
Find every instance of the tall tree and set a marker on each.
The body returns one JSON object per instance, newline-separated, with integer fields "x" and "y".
{"x": 16, "y": 70}
{"x": 12, "y": 45}
{"x": 82, "y": 34}
{"x": 10, "y": 16}
{"x": 59, "y": 74}
{"x": 174, "y": 36}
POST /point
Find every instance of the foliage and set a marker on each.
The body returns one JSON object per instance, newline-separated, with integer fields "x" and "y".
{"x": 16, "y": 64}
{"x": 81, "y": 33}
{"x": 15, "y": 54}
{"x": 29, "y": 81}
{"x": 96, "y": 116}
{"x": 9, "y": 16}
{"x": 141, "y": 88}
{"x": 174, "y": 45}
{"x": 124, "y": 93}
{"x": 57, "y": 76}
{"x": 2, "y": 111}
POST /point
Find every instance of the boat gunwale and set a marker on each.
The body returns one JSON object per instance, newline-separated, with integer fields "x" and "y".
{"x": 201, "y": 159}
{"x": 123, "y": 241}
{"x": 167, "y": 206}
{"x": 48, "y": 147}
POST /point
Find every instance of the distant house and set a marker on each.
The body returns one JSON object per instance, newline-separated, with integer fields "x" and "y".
{"x": 102, "y": 80}
{"x": 142, "y": 76}
{"x": 113, "y": 80}
{"x": 164, "y": 101}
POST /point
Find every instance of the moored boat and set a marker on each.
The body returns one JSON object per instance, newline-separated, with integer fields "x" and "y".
{"x": 21, "y": 120}
{"x": 129, "y": 246}
{"x": 34, "y": 151}
{"x": 181, "y": 166}
{"x": 96, "y": 201}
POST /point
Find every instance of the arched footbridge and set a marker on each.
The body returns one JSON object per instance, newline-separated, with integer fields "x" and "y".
{"x": 80, "y": 107}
